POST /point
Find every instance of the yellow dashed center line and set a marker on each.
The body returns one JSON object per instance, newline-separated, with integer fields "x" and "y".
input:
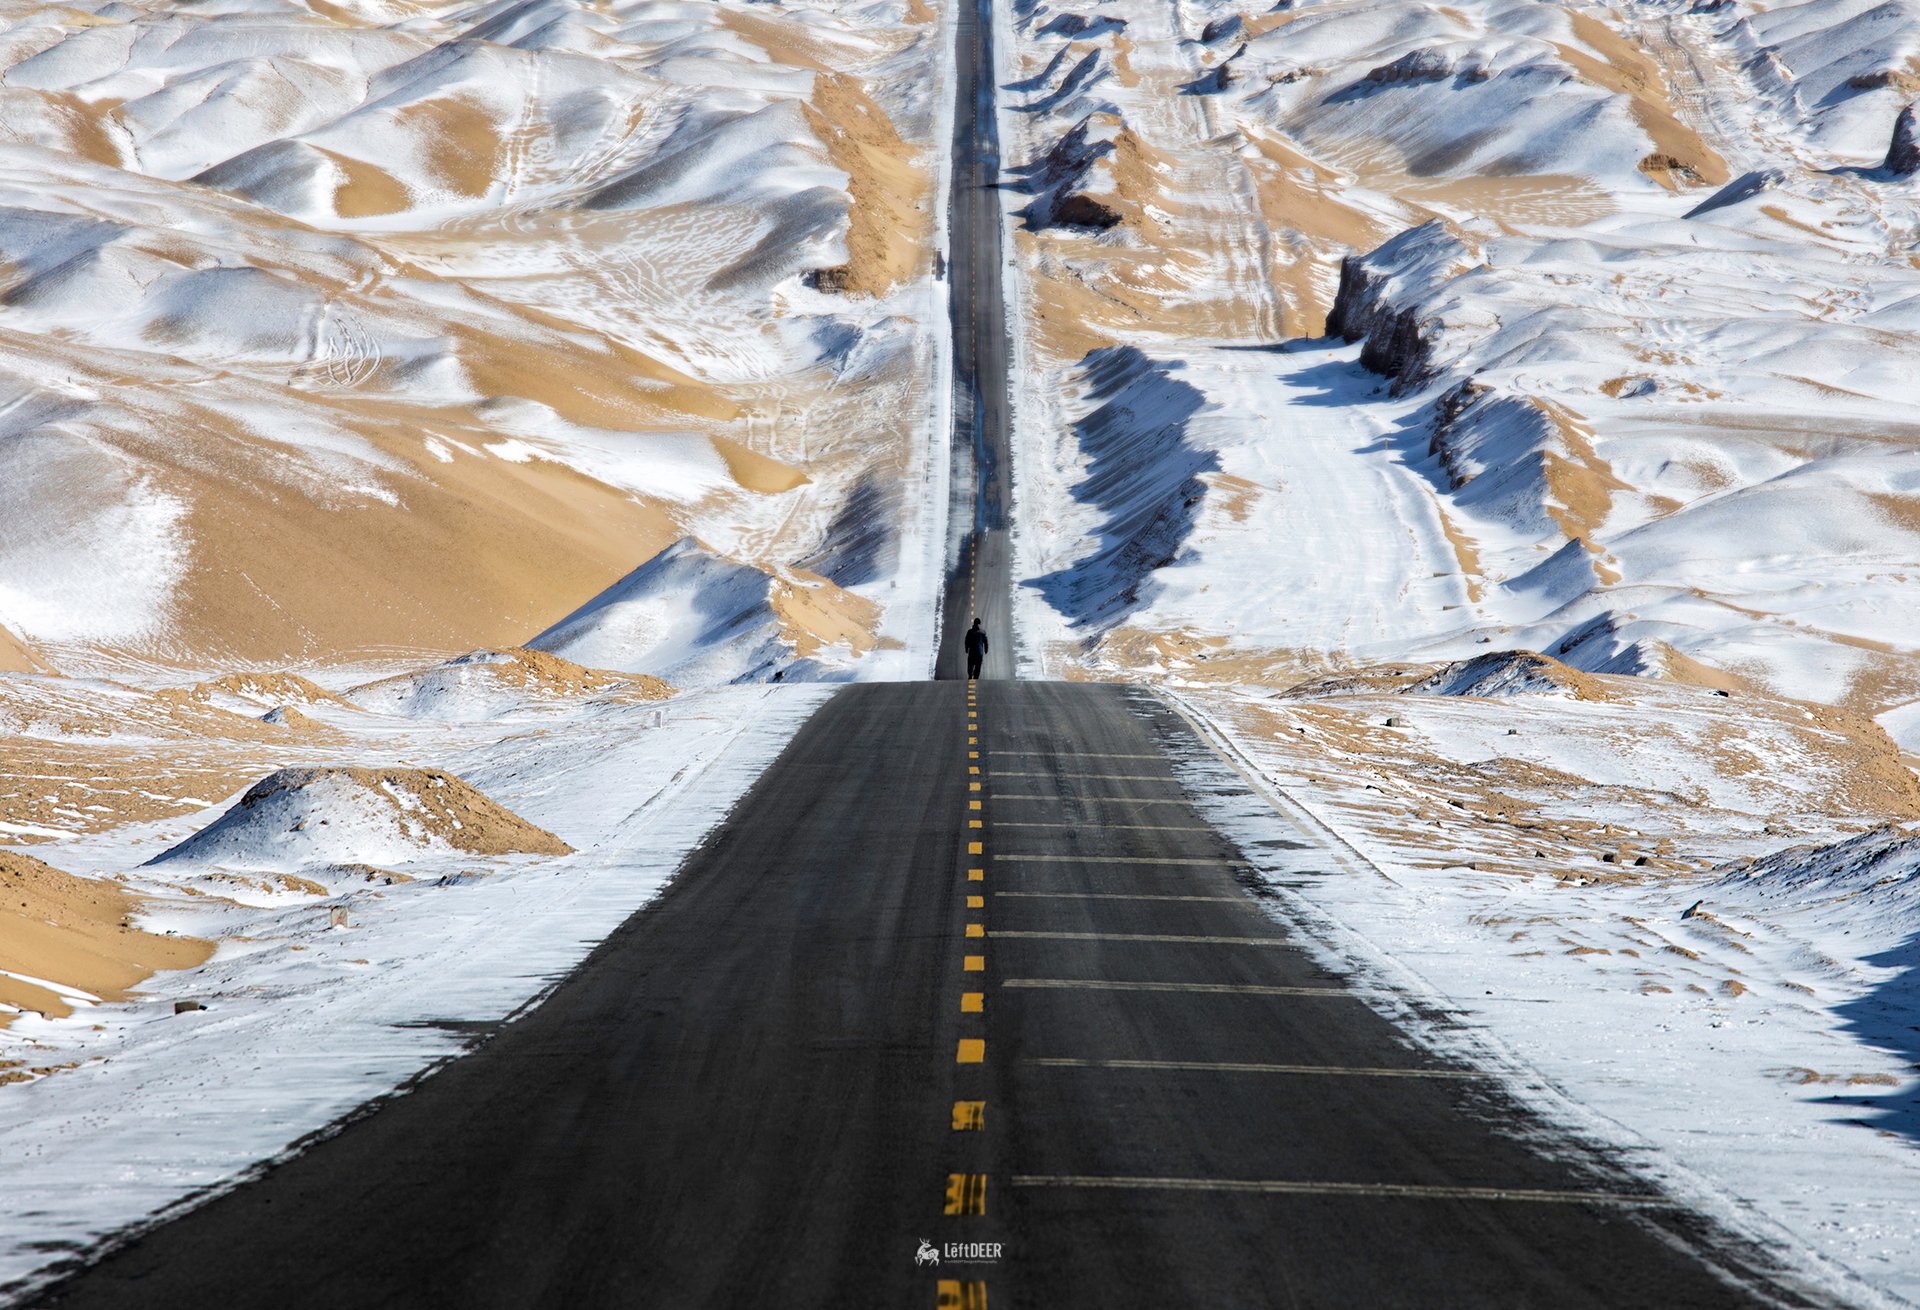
{"x": 966, "y": 1194}
{"x": 960, "y": 1294}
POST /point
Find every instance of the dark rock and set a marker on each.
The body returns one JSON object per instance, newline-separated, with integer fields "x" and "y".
{"x": 832, "y": 280}
{"x": 1225, "y": 25}
{"x": 185, "y": 1007}
{"x": 1414, "y": 66}
{"x": 1903, "y": 156}
{"x": 1081, "y": 210}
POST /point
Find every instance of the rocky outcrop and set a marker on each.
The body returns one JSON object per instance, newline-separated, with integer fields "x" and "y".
{"x": 1903, "y": 155}
{"x": 1379, "y": 300}
{"x": 1083, "y": 211}
{"x": 1055, "y": 178}
{"x": 1224, "y": 26}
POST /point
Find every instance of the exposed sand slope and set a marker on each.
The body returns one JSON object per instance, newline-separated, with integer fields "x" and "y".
{"x": 18, "y": 657}
{"x": 74, "y": 935}
{"x": 492, "y": 683}
{"x": 1603, "y": 777}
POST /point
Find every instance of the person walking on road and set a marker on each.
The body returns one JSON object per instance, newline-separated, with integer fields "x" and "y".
{"x": 976, "y": 649}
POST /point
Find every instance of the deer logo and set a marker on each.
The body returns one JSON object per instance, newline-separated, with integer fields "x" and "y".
{"x": 927, "y": 1254}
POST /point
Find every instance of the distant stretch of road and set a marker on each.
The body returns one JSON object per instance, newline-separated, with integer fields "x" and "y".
{"x": 964, "y": 1004}
{"x": 980, "y": 584}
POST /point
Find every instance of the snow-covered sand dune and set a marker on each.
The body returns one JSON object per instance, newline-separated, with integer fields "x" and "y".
{"x": 417, "y": 326}
{"x": 1641, "y": 296}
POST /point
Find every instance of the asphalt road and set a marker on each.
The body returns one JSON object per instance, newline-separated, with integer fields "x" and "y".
{"x": 981, "y": 580}
{"x": 764, "y": 1089}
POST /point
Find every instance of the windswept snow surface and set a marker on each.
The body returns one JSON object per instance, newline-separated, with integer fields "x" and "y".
{"x": 352, "y": 329}
{"x": 305, "y": 1020}
{"x": 1634, "y": 296}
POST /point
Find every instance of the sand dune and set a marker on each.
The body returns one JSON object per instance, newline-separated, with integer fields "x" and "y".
{"x": 69, "y": 941}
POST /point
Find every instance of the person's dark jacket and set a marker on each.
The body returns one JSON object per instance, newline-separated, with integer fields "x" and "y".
{"x": 976, "y": 641}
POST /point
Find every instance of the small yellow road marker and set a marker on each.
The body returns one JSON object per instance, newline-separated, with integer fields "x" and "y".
{"x": 975, "y": 848}
{"x": 976, "y": 930}
{"x": 972, "y": 1051}
{"x": 973, "y": 1002}
{"x": 973, "y": 805}
{"x": 954, "y": 1294}
{"x": 973, "y": 964}
{"x": 976, "y": 902}
{"x": 969, "y": 1116}
{"x": 976, "y": 875}
{"x": 973, "y": 786}
{"x": 975, "y": 823}
{"x": 966, "y": 1194}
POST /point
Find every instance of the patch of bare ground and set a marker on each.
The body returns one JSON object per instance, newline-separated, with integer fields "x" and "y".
{"x": 1643, "y": 778}
{"x": 266, "y": 688}
{"x": 1300, "y": 201}
{"x": 888, "y": 218}
{"x": 16, "y": 656}
{"x": 77, "y": 933}
{"x": 815, "y": 613}
{"x": 539, "y": 672}
{"x": 1681, "y": 157}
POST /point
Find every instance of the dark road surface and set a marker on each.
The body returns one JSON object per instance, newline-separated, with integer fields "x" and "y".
{"x": 765, "y": 1089}
{"x": 981, "y": 581}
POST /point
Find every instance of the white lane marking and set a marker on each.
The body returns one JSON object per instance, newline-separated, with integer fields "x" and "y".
{"x": 1077, "y": 755}
{"x": 1103, "y": 777}
{"x": 1207, "y": 989}
{"x": 1121, "y": 859}
{"x": 1230, "y": 1066}
{"x": 1122, "y": 896}
{"x": 1120, "y": 800}
{"x": 1142, "y": 937}
{"x": 1104, "y": 827}
{"x": 1393, "y": 1191}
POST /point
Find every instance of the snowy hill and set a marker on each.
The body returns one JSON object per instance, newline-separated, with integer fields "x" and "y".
{"x": 296, "y": 818}
{"x": 692, "y": 616}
